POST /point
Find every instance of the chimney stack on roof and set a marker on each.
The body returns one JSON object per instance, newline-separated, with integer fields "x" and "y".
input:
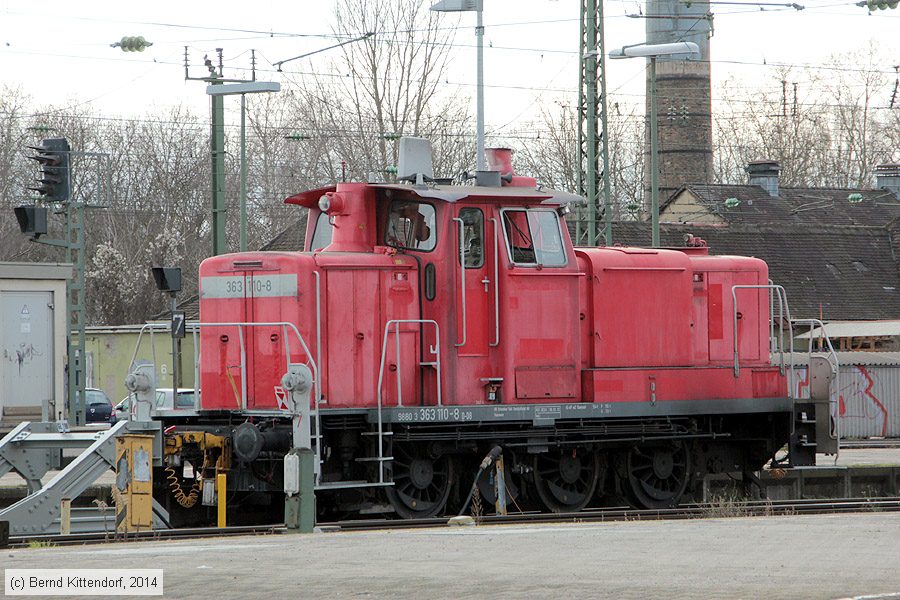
{"x": 887, "y": 177}
{"x": 764, "y": 173}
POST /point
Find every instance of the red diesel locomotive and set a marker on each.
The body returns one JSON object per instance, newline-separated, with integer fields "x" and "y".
{"x": 445, "y": 320}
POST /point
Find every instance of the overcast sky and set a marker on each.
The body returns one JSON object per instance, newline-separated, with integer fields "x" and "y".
{"x": 59, "y": 53}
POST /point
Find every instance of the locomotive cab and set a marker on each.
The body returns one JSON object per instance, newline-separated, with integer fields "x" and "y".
{"x": 489, "y": 260}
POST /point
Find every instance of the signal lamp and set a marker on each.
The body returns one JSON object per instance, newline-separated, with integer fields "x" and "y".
{"x": 53, "y": 157}
{"x": 32, "y": 220}
{"x": 168, "y": 279}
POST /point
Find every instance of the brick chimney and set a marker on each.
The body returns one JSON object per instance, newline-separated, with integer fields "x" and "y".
{"x": 764, "y": 173}
{"x": 887, "y": 177}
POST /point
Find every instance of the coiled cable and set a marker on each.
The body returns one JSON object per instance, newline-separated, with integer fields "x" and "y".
{"x": 186, "y": 500}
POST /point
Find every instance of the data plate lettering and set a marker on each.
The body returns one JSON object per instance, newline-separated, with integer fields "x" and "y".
{"x": 247, "y": 286}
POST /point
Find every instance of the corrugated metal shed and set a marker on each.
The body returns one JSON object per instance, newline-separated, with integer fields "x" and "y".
{"x": 853, "y": 358}
{"x": 868, "y": 392}
{"x": 845, "y": 329}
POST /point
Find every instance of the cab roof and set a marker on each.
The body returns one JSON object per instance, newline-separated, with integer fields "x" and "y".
{"x": 456, "y": 193}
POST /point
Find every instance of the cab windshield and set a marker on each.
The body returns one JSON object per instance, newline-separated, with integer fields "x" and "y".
{"x": 533, "y": 237}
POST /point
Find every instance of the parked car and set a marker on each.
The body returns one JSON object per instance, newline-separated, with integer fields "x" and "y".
{"x": 98, "y": 408}
{"x": 184, "y": 400}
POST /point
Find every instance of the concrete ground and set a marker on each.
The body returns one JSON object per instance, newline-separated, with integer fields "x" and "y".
{"x": 809, "y": 557}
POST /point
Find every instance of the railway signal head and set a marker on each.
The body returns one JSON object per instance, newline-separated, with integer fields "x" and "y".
{"x": 53, "y": 157}
{"x": 168, "y": 279}
{"x": 32, "y": 219}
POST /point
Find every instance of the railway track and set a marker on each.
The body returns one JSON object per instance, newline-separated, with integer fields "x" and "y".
{"x": 687, "y": 511}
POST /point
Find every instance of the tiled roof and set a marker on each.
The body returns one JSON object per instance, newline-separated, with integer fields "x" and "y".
{"x": 826, "y": 206}
{"x": 290, "y": 239}
{"x": 837, "y": 272}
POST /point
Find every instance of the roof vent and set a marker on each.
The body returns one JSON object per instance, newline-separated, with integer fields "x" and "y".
{"x": 500, "y": 160}
{"x": 414, "y": 162}
{"x": 764, "y": 173}
{"x": 887, "y": 177}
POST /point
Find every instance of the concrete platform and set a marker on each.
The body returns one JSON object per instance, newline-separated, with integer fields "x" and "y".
{"x": 809, "y": 557}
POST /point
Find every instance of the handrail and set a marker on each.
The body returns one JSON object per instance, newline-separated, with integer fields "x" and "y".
{"x": 435, "y": 350}
{"x": 285, "y": 325}
{"x": 773, "y": 344}
{"x": 496, "y": 341}
{"x": 834, "y": 392}
{"x": 318, "y": 319}
{"x": 783, "y": 311}
{"x": 317, "y": 468}
{"x": 462, "y": 276}
{"x": 243, "y": 368}
{"x": 312, "y": 362}
{"x": 151, "y": 327}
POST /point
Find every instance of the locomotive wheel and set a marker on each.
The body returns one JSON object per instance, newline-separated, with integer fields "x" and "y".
{"x": 656, "y": 476}
{"x": 421, "y": 482}
{"x": 565, "y": 479}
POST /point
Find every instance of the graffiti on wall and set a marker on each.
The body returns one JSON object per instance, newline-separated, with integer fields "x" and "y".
{"x": 859, "y": 399}
{"x": 22, "y": 354}
{"x": 863, "y": 401}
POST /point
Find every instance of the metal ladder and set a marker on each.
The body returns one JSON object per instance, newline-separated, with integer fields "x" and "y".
{"x": 32, "y": 449}
{"x": 823, "y": 402}
{"x": 801, "y": 449}
{"x": 382, "y": 433}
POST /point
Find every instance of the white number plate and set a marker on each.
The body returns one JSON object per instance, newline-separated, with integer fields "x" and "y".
{"x": 240, "y": 286}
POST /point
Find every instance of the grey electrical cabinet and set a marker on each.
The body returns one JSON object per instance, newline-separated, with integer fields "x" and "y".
{"x": 32, "y": 341}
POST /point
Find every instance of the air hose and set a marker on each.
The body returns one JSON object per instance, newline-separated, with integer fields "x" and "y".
{"x": 493, "y": 455}
{"x": 186, "y": 500}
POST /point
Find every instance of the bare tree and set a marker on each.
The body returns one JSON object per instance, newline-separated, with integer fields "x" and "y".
{"x": 551, "y": 156}
{"x": 391, "y": 87}
{"x": 831, "y": 130}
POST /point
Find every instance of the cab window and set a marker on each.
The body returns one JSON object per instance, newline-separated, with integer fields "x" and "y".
{"x": 321, "y": 233}
{"x": 533, "y": 237}
{"x": 410, "y": 226}
{"x": 473, "y": 236}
